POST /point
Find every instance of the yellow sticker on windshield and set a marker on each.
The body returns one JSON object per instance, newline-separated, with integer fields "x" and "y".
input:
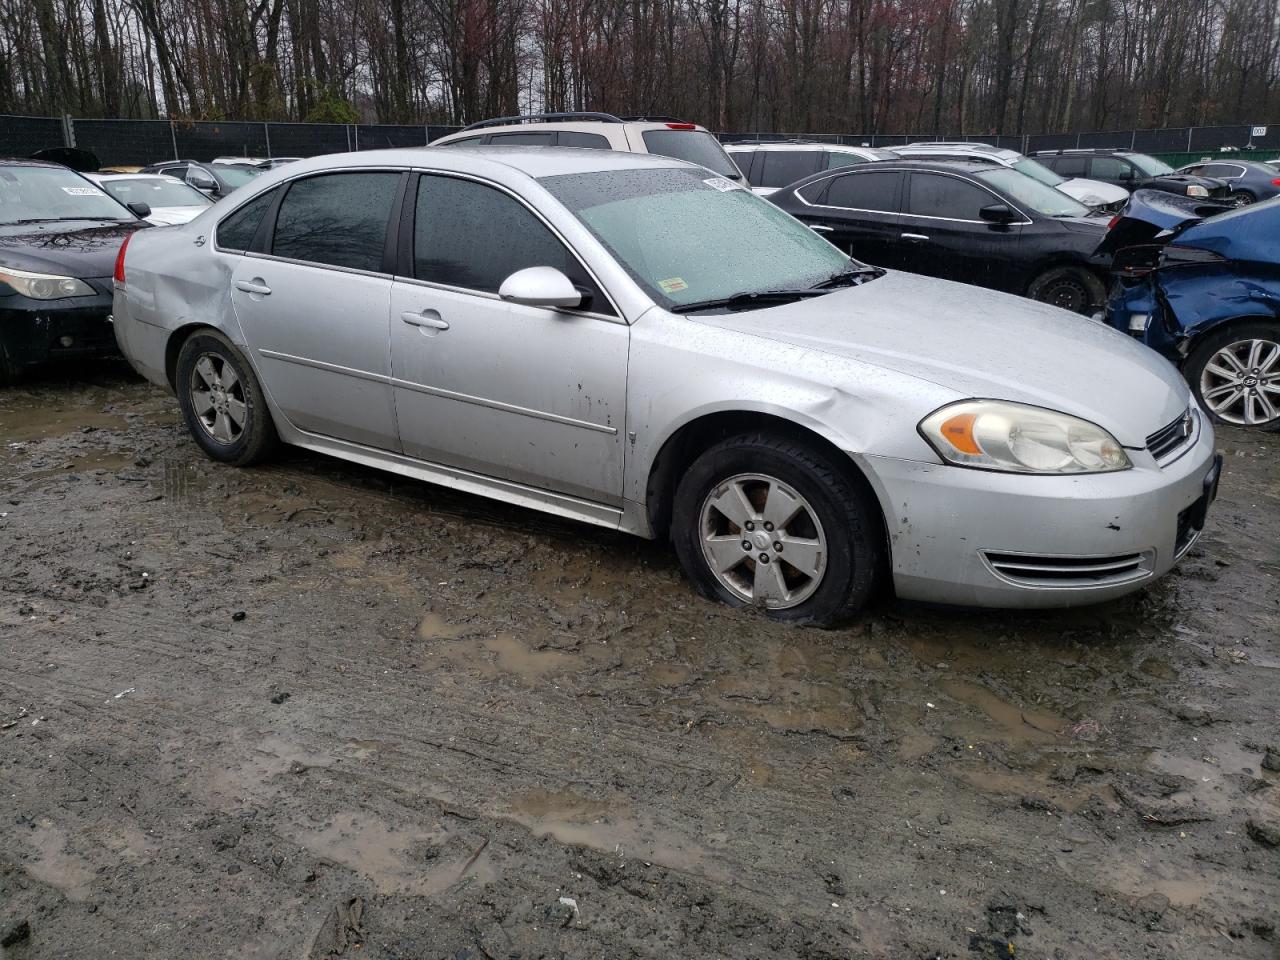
{"x": 673, "y": 285}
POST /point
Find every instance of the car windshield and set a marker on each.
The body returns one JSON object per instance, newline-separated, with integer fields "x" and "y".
{"x": 237, "y": 176}
{"x": 696, "y": 146}
{"x": 688, "y": 238}
{"x": 155, "y": 192}
{"x": 1038, "y": 171}
{"x": 1027, "y": 192}
{"x": 53, "y": 193}
{"x": 1150, "y": 165}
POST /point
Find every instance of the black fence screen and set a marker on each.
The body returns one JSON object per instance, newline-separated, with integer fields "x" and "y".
{"x": 128, "y": 142}
{"x": 23, "y": 136}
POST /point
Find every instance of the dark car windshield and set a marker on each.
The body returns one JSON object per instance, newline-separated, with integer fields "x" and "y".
{"x": 687, "y": 237}
{"x": 155, "y": 192}
{"x": 53, "y": 193}
{"x": 696, "y": 146}
{"x": 1026, "y": 192}
{"x": 1150, "y": 165}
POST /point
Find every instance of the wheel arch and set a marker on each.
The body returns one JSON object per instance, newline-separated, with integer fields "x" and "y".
{"x": 1058, "y": 261}
{"x": 687, "y": 441}
{"x": 173, "y": 347}
{"x": 1197, "y": 335}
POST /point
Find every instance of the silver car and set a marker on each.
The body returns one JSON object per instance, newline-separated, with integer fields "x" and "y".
{"x": 634, "y": 342}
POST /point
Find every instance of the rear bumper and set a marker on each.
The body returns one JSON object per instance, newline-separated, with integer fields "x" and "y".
{"x": 38, "y": 330}
{"x": 977, "y": 538}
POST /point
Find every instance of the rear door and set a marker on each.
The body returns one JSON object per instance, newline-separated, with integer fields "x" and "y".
{"x": 313, "y": 305}
{"x": 858, "y": 211}
{"x": 945, "y": 236}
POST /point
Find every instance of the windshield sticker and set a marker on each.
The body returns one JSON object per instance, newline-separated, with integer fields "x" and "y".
{"x": 673, "y": 284}
{"x": 721, "y": 184}
{"x": 82, "y": 191}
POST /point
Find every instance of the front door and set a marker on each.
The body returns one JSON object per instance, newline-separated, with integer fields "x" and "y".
{"x": 526, "y": 394}
{"x": 945, "y": 235}
{"x": 314, "y": 308}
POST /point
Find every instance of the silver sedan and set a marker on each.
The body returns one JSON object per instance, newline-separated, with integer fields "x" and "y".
{"x": 634, "y": 342}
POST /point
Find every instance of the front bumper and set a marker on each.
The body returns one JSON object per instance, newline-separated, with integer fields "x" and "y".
{"x": 979, "y": 538}
{"x": 38, "y": 330}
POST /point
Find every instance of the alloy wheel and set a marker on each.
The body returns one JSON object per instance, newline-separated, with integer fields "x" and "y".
{"x": 763, "y": 541}
{"x": 1241, "y": 382}
{"x": 217, "y": 397}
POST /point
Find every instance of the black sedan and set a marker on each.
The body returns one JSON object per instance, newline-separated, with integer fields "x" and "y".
{"x": 59, "y": 236}
{"x": 990, "y": 226}
{"x": 1133, "y": 171}
{"x": 1248, "y": 180}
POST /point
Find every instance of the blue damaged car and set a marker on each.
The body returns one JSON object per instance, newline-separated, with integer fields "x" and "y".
{"x": 1200, "y": 283}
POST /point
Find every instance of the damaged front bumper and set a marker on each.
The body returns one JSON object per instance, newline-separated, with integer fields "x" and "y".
{"x": 35, "y": 331}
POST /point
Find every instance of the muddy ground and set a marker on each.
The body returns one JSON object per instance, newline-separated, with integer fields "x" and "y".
{"x": 311, "y": 711}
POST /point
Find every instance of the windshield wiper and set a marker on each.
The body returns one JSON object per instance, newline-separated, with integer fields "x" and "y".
{"x": 749, "y": 300}
{"x": 849, "y": 277}
{"x": 10, "y": 223}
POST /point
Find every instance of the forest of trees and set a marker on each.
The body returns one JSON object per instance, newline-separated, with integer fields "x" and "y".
{"x": 870, "y": 66}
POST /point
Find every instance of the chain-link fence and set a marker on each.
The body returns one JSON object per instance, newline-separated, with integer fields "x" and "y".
{"x": 139, "y": 142}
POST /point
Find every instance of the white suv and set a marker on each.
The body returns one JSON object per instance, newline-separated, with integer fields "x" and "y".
{"x": 666, "y": 136}
{"x": 1092, "y": 193}
{"x": 771, "y": 165}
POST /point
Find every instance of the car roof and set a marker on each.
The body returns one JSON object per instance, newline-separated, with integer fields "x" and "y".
{"x": 936, "y": 147}
{"x": 801, "y": 145}
{"x": 28, "y": 162}
{"x": 133, "y": 176}
{"x": 597, "y": 127}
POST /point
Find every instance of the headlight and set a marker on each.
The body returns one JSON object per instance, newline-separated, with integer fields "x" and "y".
{"x": 44, "y": 286}
{"x": 1196, "y": 191}
{"x": 1018, "y": 438}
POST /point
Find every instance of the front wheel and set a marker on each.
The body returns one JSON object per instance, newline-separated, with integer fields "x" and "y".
{"x": 763, "y": 521}
{"x": 1241, "y": 198}
{"x": 222, "y": 401}
{"x": 1071, "y": 288}
{"x": 1236, "y": 375}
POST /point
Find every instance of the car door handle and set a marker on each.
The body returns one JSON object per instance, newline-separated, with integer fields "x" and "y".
{"x": 427, "y": 318}
{"x": 915, "y": 237}
{"x": 821, "y": 228}
{"x": 256, "y": 285}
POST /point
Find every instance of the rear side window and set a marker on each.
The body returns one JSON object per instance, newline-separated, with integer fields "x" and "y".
{"x": 1110, "y": 168}
{"x": 339, "y": 219}
{"x": 455, "y": 224}
{"x": 843, "y": 159}
{"x": 542, "y": 139}
{"x": 936, "y": 195}
{"x": 464, "y": 142}
{"x": 572, "y": 138}
{"x": 237, "y": 230}
{"x": 865, "y": 191}
{"x": 782, "y": 167}
{"x": 695, "y": 146}
{"x": 1067, "y": 166}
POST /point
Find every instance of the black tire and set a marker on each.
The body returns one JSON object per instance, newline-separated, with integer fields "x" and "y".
{"x": 849, "y": 517}
{"x": 1241, "y": 198}
{"x": 256, "y": 438}
{"x": 1071, "y": 288}
{"x": 1204, "y": 351}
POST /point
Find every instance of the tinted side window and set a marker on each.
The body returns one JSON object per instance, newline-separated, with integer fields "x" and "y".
{"x": 1067, "y": 166}
{"x": 869, "y": 190}
{"x": 338, "y": 219}
{"x": 1221, "y": 170}
{"x": 782, "y": 167}
{"x": 572, "y": 138}
{"x": 935, "y": 195}
{"x": 236, "y": 231}
{"x": 843, "y": 159}
{"x": 543, "y": 139}
{"x": 464, "y": 142}
{"x": 456, "y": 228}
{"x": 1109, "y": 168}
{"x": 744, "y": 158}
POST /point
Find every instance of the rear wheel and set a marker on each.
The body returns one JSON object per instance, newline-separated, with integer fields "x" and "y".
{"x": 1236, "y": 375}
{"x": 763, "y": 521}
{"x": 1071, "y": 288}
{"x": 222, "y": 401}
{"x": 1241, "y": 198}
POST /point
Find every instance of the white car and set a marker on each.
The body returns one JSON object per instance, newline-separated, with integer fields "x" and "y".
{"x": 769, "y": 166}
{"x": 170, "y": 200}
{"x": 237, "y": 161}
{"x": 1092, "y": 193}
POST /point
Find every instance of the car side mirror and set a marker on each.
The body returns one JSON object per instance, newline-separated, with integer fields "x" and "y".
{"x": 997, "y": 213}
{"x": 203, "y": 183}
{"x": 140, "y": 210}
{"x": 540, "y": 287}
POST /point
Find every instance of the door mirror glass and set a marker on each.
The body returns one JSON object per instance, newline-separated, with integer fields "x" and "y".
{"x": 201, "y": 181}
{"x": 140, "y": 210}
{"x": 540, "y": 287}
{"x": 997, "y": 213}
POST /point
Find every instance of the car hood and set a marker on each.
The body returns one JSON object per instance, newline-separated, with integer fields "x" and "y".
{"x": 984, "y": 344}
{"x": 1155, "y": 214}
{"x": 1188, "y": 180}
{"x": 72, "y": 248}
{"x": 1107, "y": 193}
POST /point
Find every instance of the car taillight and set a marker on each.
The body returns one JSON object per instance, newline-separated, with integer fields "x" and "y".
{"x": 1113, "y": 221}
{"x": 682, "y": 126}
{"x": 119, "y": 274}
{"x": 1276, "y": 182}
